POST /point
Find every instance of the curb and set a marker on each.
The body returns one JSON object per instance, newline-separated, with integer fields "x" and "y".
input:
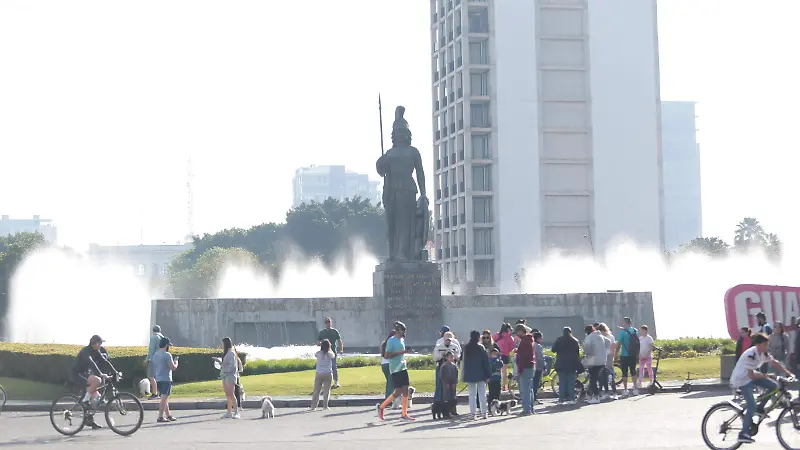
{"x": 421, "y": 399}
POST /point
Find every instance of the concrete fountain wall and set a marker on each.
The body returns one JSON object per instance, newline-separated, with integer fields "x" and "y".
{"x": 269, "y": 322}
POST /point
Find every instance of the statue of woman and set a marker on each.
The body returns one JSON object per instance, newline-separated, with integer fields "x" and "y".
{"x": 400, "y": 192}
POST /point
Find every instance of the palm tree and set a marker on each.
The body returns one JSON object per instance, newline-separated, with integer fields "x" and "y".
{"x": 773, "y": 245}
{"x": 711, "y": 246}
{"x": 748, "y": 232}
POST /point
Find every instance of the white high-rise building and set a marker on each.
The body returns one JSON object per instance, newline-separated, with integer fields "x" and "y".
{"x": 683, "y": 207}
{"x": 9, "y": 226}
{"x": 546, "y": 132}
{"x": 317, "y": 183}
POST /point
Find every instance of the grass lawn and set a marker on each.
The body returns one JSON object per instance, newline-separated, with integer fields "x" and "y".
{"x": 18, "y": 389}
{"x": 359, "y": 380}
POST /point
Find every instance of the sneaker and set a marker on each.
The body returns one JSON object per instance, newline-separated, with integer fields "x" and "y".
{"x": 227, "y": 415}
{"x": 593, "y": 401}
{"x": 623, "y": 394}
{"x": 171, "y": 418}
{"x": 407, "y": 417}
{"x": 379, "y": 411}
{"x": 538, "y": 402}
{"x": 236, "y": 416}
{"x": 745, "y": 439}
{"x": 162, "y": 420}
{"x": 635, "y": 391}
{"x": 312, "y": 409}
{"x": 484, "y": 416}
{"x": 153, "y": 397}
{"x": 335, "y": 386}
{"x": 326, "y": 409}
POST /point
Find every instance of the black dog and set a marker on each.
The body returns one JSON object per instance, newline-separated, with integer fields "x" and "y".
{"x": 437, "y": 410}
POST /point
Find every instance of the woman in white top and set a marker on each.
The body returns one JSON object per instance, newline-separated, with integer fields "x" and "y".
{"x": 230, "y": 376}
{"x": 324, "y": 376}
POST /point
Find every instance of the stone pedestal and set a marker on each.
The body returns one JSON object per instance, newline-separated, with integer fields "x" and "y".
{"x": 411, "y": 292}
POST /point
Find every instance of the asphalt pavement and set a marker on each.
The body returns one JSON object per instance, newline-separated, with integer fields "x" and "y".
{"x": 662, "y": 421}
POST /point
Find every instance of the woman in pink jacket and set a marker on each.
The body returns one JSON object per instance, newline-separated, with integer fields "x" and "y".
{"x": 504, "y": 340}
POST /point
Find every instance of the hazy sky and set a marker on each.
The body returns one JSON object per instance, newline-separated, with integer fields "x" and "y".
{"x": 102, "y": 103}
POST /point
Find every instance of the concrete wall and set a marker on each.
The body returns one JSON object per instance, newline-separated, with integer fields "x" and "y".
{"x": 203, "y": 322}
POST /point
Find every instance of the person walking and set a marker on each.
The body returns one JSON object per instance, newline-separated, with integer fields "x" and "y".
{"x": 567, "y": 350}
{"x": 504, "y": 340}
{"x": 476, "y": 372}
{"x": 395, "y": 353}
{"x": 230, "y": 377}
{"x": 607, "y": 374}
{"x": 163, "y": 364}
{"x": 155, "y": 339}
{"x": 594, "y": 350}
{"x": 324, "y": 375}
{"x": 524, "y": 366}
{"x": 337, "y": 346}
{"x": 779, "y": 344}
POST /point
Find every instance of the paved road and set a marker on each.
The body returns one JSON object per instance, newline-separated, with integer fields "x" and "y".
{"x": 667, "y": 421}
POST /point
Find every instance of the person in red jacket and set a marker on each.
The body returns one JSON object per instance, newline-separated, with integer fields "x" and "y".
{"x": 525, "y": 361}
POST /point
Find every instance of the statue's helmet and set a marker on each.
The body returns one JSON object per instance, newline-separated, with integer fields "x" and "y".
{"x": 400, "y": 129}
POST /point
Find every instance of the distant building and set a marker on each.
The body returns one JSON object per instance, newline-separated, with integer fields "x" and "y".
{"x": 317, "y": 183}
{"x": 9, "y": 226}
{"x": 680, "y": 154}
{"x": 146, "y": 261}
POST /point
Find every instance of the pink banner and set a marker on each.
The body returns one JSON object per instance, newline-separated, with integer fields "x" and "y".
{"x": 743, "y": 302}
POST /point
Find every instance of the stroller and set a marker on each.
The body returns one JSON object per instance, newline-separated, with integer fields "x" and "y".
{"x": 655, "y": 386}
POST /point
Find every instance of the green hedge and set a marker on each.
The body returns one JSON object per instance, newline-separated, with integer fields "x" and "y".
{"x": 52, "y": 363}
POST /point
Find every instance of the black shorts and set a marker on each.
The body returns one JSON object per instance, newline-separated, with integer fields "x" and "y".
{"x": 400, "y": 379}
{"x": 625, "y": 363}
{"x": 504, "y": 358}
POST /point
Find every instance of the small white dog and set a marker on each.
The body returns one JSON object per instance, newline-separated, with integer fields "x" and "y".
{"x": 267, "y": 408}
{"x": 397, "y": 404}
{"x": 144, "y": 387}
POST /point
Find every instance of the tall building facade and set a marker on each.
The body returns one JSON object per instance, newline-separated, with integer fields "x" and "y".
{"x": 683, "y": 207}
{"x": 317, "y": 183}
{"x": 46, "y": 227}
{"x": 546, "y": 132}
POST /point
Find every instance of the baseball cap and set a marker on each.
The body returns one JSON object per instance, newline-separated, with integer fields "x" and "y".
{"x": 96, "y": 340}
{"x": 157, "y": 329}
{"x": 444, "y": 329}
{"x": 400, "y": 325}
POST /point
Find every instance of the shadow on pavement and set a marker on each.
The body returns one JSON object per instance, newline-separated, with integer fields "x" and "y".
{"x": 345, "y": 430}
{"x": 351, "y": 413}
{"x": 707, "y": 394}
{"x": 39, "y": 441}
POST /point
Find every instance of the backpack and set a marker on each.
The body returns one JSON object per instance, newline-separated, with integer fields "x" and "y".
{"x": 633, "y": 343}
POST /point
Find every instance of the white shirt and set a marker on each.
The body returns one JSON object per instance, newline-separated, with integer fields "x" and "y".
{"x": 750, "y": 360}
{"x": 610, "y": 336}
{"x": 646, "y": 346}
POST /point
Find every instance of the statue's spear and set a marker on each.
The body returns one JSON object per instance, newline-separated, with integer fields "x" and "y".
{"x": 380, "y": 117}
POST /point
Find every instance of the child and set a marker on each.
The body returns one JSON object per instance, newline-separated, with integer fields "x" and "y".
{"x": 539, "y": 365}
{"x": 645, "y": 353}
{"x": 495, "y": 382}
{"x": 448, "y": 375}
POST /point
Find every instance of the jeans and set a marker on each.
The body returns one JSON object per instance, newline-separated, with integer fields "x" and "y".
{"x": 537, "y": 381}
{"x": 477, "y": 389}
{"x": 748, "y": 392}
{"x": 594, "y": 380}
{"x": 525, "y": 381}
{"x": 566, "y": 385}
{"x": 335, "y": 369}
{"x": 389, "y": 384}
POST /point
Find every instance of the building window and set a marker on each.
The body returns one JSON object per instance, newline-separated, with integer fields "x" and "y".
{"x": 479, "y": 83}
{"x": 484, "y": 272}
{"x": 483, "y": 241}
{"x": 480, "y": 147}
{"x": 478, "y": 21}
{"x": 482, "y": 209}
{"x": 140, "y": 270}
{"x": 478, "y": 52}
{"x": 481, "y": 178}
{"x": 479, "y": 114}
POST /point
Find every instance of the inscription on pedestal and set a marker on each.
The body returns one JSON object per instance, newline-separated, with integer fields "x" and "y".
{"x": 414, "y": 297}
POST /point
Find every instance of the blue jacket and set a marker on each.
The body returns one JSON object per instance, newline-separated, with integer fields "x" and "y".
{"x": 476, "y": 363}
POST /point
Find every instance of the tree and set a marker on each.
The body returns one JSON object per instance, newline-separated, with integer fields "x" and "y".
{"x": 749, "y": 232}
{"x": 13, "y": 250}
{"x": 200, "y": 279}
{"x": 713, "y": 247}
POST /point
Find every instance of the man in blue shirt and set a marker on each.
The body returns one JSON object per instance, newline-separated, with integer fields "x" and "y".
{"x": 395, "y": 353}
{"x": 628, "y": 359}
{"x": 155, "y": 340}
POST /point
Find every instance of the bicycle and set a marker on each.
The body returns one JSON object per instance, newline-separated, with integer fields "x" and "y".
{"x": 776, "y": 398}
{"x": 3, "y": 398}
{"x": 115, "y": 401}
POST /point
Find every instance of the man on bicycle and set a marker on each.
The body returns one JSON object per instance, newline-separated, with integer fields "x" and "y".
{"x": 86, "y": 371}
{"x": 747, "y": 377}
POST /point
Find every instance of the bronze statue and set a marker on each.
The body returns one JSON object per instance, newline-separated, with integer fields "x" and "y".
{"x": 406, "y": 216}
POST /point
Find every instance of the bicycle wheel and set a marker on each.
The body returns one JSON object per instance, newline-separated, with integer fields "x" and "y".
{"x": 3, "y": 399}
{"x": 788, "y": 428}
{"x": 69, "y": 411}
{"x": 124, "y": 414}
{"x": 554, "y": 383}
{"x": 617, "y": 375}
{"x": 727, "y": 423}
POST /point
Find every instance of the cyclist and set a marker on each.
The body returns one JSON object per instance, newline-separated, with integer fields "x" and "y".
{"x": 86, "y": 371}
{"x": 746, "y": 377}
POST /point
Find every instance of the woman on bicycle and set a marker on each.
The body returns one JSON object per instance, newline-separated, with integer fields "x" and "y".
{"x": 504, "y": 340}
{"x": 746, "y": 377}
